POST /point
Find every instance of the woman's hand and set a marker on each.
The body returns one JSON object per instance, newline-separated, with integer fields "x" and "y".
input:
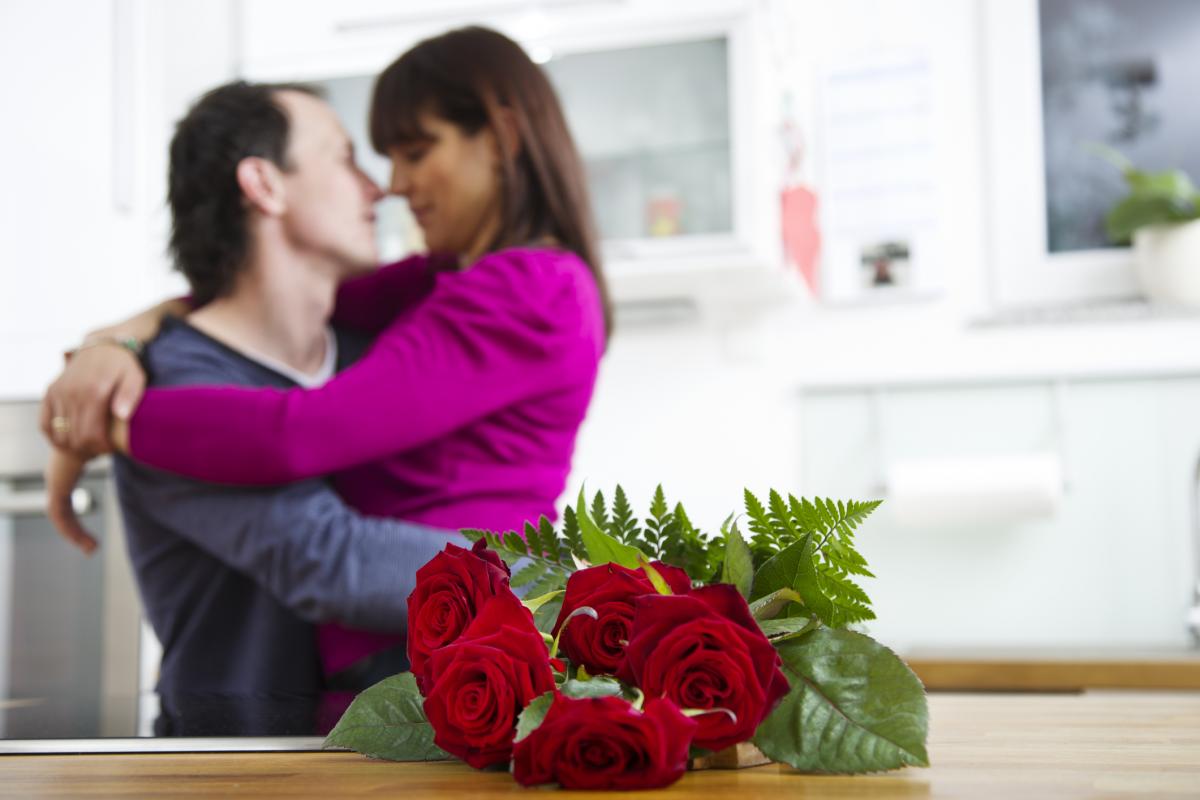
{"x": 97, "y": 385}
{"x": 62, "y": 475}
{"x": 102, "y": 382}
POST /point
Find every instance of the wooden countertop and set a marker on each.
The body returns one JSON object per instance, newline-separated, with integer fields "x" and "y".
{"x": 1098, "y": 744}
{"x": 1055, "y": 670}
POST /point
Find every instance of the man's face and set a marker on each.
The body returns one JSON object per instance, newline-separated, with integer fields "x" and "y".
{"x": 330, "y": 202}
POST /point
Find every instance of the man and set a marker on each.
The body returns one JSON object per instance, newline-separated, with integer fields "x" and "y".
{"x": 270, "y": 212}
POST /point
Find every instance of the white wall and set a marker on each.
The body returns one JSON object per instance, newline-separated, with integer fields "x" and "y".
{"x": 707, "y": 406}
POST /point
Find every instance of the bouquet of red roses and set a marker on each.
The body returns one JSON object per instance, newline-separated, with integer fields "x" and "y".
{"x": 641, "y": 645}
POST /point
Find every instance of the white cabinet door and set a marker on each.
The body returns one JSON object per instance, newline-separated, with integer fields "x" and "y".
{"x": 68, "y": 230}
{"x": 1111, "y": 567}
{"x": 665, "y": 103}
{"x": 93, "y": 90}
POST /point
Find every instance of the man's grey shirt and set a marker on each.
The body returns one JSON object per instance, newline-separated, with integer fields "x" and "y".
{"x": 231, "y": 578}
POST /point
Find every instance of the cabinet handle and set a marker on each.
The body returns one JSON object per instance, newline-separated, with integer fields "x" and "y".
{"x": 33, "y": 503}
{"x": 123, "y": 20}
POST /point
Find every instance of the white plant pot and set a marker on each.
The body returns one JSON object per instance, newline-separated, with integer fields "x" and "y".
{"x": 1167, "y": 261}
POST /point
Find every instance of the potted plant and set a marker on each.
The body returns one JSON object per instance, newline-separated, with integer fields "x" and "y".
{"x": 1161, "y": 217}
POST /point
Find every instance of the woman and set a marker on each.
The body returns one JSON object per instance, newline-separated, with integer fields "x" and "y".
{"x": 465, "y": 411}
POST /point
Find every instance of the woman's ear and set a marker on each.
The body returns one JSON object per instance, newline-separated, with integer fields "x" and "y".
{"x": 507, "y": 133}
{"x": 261, "y": 185}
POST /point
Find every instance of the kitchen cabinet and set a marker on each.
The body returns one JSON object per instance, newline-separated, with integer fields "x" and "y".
{"x": 66, "y": 224}
{"x": 1113, "y": 566}
{"x": 666, "y": 105}
{"x": 83, "y": 223}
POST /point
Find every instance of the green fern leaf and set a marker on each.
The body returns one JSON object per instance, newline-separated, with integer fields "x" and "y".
{"x": 552, "y": 580}
{"x": 658, "y": 506}
{"x": 473, "y": 535}
{"x": 527, "y": 575}
{"x": 624, "y": 524}
{"x": 515, "y": 543}
{"x": 841, "y": 588}
{"x": 778, "y": 513}
{"x": 759, "y": 524}
{"x": 533, "y": 541}
{"x": 807, "y": 518}
{"x": 554, "y": 547}
{"x": 599, "y": 511}
{"x": 572, "y": 535}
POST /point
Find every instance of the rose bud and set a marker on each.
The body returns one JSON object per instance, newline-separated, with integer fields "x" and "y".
{"x": 605, "y": 743}
{"x": 482, "y": 681}
{"x": 450, "y": 590}
{"x": 705, "y": 651}
{"x": 609, "y": 589}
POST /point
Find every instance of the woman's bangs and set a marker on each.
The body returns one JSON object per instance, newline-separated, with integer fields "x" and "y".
{"x": 397, "y": 105}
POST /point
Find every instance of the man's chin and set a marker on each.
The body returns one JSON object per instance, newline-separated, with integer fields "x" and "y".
{"x": 361, "y": 265}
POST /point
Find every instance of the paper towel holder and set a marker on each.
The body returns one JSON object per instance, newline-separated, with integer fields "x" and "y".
{"x": 1058, "y": 445}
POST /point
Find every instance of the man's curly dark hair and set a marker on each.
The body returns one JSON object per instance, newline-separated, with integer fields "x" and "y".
{"x": 209, "y": 235}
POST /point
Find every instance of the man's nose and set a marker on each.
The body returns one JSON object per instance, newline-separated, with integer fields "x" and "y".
{"x": 374, "y": 192}
{"x": 371, "y": 188}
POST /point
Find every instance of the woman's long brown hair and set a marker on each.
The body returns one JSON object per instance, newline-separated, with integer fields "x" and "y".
{"x": 470, "y": 77}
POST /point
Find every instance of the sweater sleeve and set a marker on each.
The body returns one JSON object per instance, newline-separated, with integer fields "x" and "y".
{"x": 508, "y": 329}
{"x": 301, "y": 543}
{"x": 370, "y": 302}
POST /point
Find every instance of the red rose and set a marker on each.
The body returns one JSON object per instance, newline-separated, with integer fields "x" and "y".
{"x": 481, "y": 682}
{"x": 599, "y": 644}
{"x": 605, "y": 743}
{"x": 450, "y": 590}
{"x": 704, "y": 650}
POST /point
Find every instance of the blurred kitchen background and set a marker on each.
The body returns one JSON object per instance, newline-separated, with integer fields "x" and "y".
{"x": 858, "y": 252}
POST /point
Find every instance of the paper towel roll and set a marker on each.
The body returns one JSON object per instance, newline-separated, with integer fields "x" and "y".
{"x": 992, "y": 490}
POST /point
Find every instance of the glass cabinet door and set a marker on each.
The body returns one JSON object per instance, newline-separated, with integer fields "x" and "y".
{"x": 653, "y": 126}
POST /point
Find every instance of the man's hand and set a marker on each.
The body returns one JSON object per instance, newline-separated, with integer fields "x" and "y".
{"x": 98, "y": 384}
{"x": 62, "y": 474}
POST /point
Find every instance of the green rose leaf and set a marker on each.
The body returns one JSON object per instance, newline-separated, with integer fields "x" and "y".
{"x": 778, "y": 571}
{"x": 794, "y": 568}
{"x": 778, "y": 630}
{"x": 854, "y": 707}
{"x": 768, "y": 606}
{"x": 739, "y": 563}
{"x": 387, "y": 721}
{"x": 547, "y": 614}
{"x": 537, "y": 602}
{"x": 656, "y": 579}
{"x": 601, "y": 547}
{"x": 533, "y": 714}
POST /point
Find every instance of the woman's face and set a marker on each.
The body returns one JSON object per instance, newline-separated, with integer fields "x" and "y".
{"x": 452, "y": 184}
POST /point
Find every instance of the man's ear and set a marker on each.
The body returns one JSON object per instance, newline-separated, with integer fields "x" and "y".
{"x": 262, "y": 185}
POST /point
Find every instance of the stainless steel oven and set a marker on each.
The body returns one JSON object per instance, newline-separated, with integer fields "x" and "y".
{"x": 69, "y": 624}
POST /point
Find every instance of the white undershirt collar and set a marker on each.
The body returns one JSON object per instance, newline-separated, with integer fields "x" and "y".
{"x": 305, "y": 380}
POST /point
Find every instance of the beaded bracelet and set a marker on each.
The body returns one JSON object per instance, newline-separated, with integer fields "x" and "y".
{"x": 131, "y": 344}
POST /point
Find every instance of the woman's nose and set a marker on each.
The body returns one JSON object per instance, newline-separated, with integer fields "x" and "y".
{"x": 400, "y": 182}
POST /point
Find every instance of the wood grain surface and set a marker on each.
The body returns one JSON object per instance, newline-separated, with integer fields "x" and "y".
{"x": 1094, "y": 745}
{"x": 1056, "y": 670}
